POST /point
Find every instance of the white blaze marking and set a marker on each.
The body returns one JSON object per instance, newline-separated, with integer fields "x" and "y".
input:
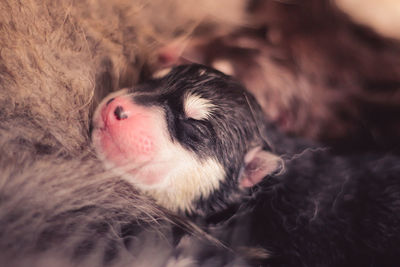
{"x": 196, "y": 107}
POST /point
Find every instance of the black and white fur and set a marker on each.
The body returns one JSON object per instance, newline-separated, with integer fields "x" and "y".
{"x": 280, "y": 201}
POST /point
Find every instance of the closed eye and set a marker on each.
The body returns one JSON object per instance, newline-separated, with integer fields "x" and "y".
{"x": 190, "y": 132}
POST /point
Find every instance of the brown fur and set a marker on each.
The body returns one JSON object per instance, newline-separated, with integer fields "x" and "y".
{"x": 57, "y": 60}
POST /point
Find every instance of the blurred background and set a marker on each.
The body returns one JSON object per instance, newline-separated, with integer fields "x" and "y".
{"x": 324, "y": 70}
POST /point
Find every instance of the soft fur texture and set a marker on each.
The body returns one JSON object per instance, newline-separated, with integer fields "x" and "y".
{"x": 323, "y": 211}
{"x": 299, "y": 204}
{"x": 57, "y": 60}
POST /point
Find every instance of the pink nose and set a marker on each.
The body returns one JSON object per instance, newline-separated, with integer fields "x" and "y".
{"x": 119, "y": 112}
{"x": 117, "y": 109}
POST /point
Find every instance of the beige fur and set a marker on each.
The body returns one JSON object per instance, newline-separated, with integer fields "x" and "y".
{"x": 58, "y": 59}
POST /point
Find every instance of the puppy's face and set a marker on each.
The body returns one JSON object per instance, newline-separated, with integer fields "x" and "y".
{"x": 187, "y": 139}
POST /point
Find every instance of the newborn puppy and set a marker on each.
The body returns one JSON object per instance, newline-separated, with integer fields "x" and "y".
{"x": 191, "y": 139}
{"x": 195, "y": 140}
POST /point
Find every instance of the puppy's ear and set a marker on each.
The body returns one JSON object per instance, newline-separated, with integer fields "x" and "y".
{"x": 258, "y": 164}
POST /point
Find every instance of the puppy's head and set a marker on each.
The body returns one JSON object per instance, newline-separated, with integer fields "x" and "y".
{"x": 191, "y": 139}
